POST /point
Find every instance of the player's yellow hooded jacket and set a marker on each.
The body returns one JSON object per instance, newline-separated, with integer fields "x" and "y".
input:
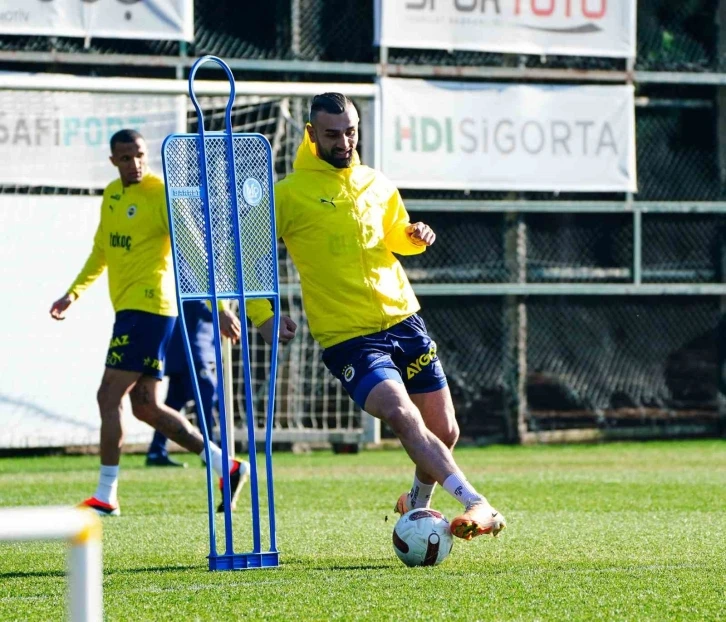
{"x": 341, "y": 228}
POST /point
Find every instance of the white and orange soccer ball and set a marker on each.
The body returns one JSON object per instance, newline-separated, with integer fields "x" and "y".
{"x": 422, "y": 538}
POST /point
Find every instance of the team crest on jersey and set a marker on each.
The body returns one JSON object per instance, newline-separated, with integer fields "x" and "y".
{"x": 348, "y": 373}
{"x": 131, "y": 211}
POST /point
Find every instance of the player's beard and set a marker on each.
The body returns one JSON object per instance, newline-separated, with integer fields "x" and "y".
{"x": 336, "y": 161}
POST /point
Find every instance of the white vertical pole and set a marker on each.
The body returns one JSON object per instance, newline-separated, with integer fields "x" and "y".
{"x": 228, "y": 388}
{"x": 181, "y": 113}
{"x": 85, "y": 581}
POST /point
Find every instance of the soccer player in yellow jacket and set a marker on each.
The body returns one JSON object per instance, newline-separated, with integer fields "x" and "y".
{"x": 342, "y": 223}
{"x": 132, "y": 241}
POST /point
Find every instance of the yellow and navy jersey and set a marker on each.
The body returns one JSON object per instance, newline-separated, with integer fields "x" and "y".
{"x": 342, "y": 228}
{"x": 132, "y": 241}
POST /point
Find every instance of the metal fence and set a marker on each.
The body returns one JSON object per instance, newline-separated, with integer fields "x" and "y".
{"x": 546, "y": 307}
{"x": 629, "y": 365}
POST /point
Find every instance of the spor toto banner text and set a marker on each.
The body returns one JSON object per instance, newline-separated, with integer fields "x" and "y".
{"x": 497, "y": 137}
{"x": 578, "y": 27}
{"x": 62, "y": 139}
{"x": 113, "y": 19}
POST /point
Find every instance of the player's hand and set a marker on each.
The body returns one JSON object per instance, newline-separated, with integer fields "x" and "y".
{"x": 58, "y": 308}
{"x": 421, "y": 234}
{"x": 230, "y": 325}
{"x": 287, "y": 330}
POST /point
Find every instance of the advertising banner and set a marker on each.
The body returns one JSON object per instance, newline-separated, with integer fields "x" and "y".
{"x": 111, "y": 19}
{"x": 51, "y": 138}
{"x": 469, "y": 136}
{"x": 567, "y": 27}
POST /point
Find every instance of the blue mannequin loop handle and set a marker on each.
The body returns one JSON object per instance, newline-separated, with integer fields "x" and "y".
{"x": 232, "y": 92}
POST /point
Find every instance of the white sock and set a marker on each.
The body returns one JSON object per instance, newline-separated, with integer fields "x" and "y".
{"x": 216, "y": 453}
{"x": 107, "y": 485}
{"x": 459, "y": 488}
{"x": 420, "y": 495}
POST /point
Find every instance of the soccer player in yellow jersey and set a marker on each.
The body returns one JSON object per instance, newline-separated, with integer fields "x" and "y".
{"x": 133, "y": 243}
{"x": 342, "y": 222}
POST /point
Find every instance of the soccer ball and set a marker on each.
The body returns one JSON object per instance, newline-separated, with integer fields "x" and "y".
{"x": 422, "y": 538}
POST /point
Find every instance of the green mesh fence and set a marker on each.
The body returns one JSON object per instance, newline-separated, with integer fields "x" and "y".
{"x": 684, "y": 248}
{"x": 334, "y": 30}
{"x": 618, "y": 361}
{"x": 572, "y": 248}
{"x": 469, "y": 249}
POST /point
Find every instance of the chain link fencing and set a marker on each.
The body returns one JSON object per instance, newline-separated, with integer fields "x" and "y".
{"x": 620, "y": 362}
{"x": 591, "y": 361}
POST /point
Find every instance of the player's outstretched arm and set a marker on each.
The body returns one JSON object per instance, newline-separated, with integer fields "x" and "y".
{"x": 58, "y": 308}
{"x": 287, "y": 329}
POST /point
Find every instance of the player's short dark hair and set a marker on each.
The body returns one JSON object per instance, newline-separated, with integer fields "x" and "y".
{"x": 125, "y": 136}
{"x": 332, "y": 103}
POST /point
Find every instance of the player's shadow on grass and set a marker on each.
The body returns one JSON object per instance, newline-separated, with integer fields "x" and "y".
{"x": 381, "y": 566}
{"x": 32, "y": 573}
{"x": 324, "y": 565}
{"x": 62, "y": 573}
{"x": 153, "y": 569}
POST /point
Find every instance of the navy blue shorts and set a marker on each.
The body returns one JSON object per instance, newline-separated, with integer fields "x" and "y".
{"x": 404, "y": 353}
{"x": 139, "y": 342}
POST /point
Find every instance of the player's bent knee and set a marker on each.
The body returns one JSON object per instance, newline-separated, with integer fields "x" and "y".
{"x": 144, "y": 403}
{"x": 450, "y": 436}
{"x": 454, "y": 438}
{"x": 143, "y": 413}
{"x": 445, "y": 427}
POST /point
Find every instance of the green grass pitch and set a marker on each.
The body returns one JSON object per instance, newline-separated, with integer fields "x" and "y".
{"x": 633, "y": 531}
